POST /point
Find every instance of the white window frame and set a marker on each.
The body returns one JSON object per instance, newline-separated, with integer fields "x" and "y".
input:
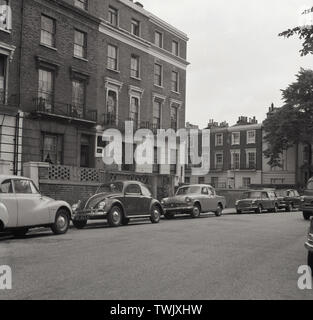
{"x": 216, "y": 140}
{"x": 174, "y": 53}
{"x": 162, "y": 38}
{"x": 115, "y": 86}
{"x": 178, "y": 81}
{"x": 8, "y": 27}
{"x": 117, "y": 57}
{"x": 254, "y": 151}
{"x": 139, "y": 66}
{"x": 233, "y": 139}
{"x": 233, "y": 152}
{"x": 219, "y": 164}
{"x": 249, "y": 140}
{"x": 156, "y": 84}
{"x": 139, "y": 27}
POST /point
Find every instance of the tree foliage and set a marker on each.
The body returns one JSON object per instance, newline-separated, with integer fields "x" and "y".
{"x": 293, "y": 123}
{"x": 304, "y": 34}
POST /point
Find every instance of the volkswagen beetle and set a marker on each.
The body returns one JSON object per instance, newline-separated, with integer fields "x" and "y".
{"x": 23, "y": 207}
{"x": 193, "y": 200}
{"x": 118, "y": 202}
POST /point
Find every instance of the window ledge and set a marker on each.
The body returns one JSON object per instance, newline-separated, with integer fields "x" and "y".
{"x": 135, "y": 78}
{"x": 156, "y": 85}
{"x": 116, "y": 71}
{"x": 176, "y": 92}
{"x": 48, "y": 47}
{"x": 81, "y": 58}
{"x": 5, "y": 30}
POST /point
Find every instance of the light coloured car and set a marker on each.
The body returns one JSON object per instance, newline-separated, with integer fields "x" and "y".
{"x": 23, "y": 207}
{"x": 193, "y": 200}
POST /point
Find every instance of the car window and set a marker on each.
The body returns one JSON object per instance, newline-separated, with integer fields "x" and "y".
{"x": 24, "y": 187}
{"x": 252, "y": 195}
{"x": 145, "y": 191}
{"x": 6, "y": 187}
{"x": 211, "y": 192}
{"x": 133, "y": 189}
{"x": 296, "y": 193}
{"x": 265, "y": 195}
{"x": 271, "y": 195}
{"x": 187, "y": 190}
{"x": 205, "y": 191}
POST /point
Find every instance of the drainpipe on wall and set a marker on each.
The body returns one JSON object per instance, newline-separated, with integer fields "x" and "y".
{"x": 16, "y": 144}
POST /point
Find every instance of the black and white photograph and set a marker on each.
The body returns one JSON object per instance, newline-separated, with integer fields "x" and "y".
{"x": 156, "y": 151}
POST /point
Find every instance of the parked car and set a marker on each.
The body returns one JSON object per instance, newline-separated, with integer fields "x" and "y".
{"x": 306, "y": 205}
{"x": 193, "y": 200}
{"x": 23, "y": 207}
{"x": 118, "y": 202}
{"x": 309, "y": 245}
{"x": 288, "y": 199}
{"x": 257, "y": 201}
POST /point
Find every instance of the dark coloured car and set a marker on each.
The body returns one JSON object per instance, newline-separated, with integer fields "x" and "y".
{"x": 193, "y": 200}
{"x": 118, "y": 202}
{"x": 309, "y": 245}
{"x": 306, "y": 205}
{"x": 289, "y": 199}
{"x": 258, "y": 201}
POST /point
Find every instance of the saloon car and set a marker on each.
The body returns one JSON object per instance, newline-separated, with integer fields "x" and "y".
{"x": 306, "y": 205}
{"x": 118, "y": 202}
{"x": 23, "y": 207}
{"x": 309, "y": 245}
{"x": 193, "y": 200}
{"x": 288, "y": 199}
{"x": 258, "y": 201}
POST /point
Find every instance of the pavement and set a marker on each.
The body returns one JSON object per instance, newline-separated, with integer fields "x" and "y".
{"x": 249, "y": 256}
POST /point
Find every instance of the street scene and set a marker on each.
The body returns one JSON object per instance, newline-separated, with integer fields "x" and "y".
{"x": 144, "y": 156}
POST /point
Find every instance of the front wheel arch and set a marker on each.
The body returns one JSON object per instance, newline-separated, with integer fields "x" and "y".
{"x": 1, "y": 226}
{"x": 197, "y": 203}
{"x": 65, "y": 209}
{"x": 121, "y": 207}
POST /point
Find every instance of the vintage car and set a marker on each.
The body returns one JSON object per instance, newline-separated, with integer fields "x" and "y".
{"x": 288, "y": 199}
{"x": 306, "y": 205}
{"x": 257, "y": 201}
{"x": 23, "y": 207}
{"x": 118, "y": 202}
{"x": 309, "y": 245}
{"x": 193, "y": 200}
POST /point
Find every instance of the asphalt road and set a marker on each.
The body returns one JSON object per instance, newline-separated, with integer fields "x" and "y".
{"x": 231, "y": 257}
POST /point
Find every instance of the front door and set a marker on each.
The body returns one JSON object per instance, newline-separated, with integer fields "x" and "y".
{"x": 8, "y": 198}
{"x": 32, "y": 207}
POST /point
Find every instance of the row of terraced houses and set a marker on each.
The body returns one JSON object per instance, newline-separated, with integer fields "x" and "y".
{"x": 69, "y": 69}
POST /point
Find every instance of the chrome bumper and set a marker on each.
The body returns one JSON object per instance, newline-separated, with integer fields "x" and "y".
{"x": 177, "y": 209}
{"x": 88, "y": 214}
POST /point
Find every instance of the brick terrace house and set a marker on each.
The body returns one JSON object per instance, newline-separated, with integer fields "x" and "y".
{"x": 80, "y": 67}
{"x": 235, "y": 155}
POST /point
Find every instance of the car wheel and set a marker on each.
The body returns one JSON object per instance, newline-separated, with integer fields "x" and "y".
{"x": 115, "y": 216}
{"x": 169, "y": 216}
{"x": 289, "y": 208}
{"x": 239, "y": 211}
{"x": 259, "y": 209}
{"x": 310, "y": 260}
{"x": 306, "y": 215}
{"x": 196, "y": 211}
{"x": 276, "y": 208}
{"x": 219, "y": 210}
{"x": 62, "y": 222}
{"x": 155, "y": 214}
{"x": 19, "y": 233}
{"x": 125, "y": 221}
{"x": 79, "y": 224}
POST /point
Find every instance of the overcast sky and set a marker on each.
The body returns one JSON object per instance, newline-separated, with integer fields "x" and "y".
{"x": 238, "y": 63}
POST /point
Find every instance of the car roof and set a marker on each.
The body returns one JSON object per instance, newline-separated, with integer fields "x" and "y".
{"x": 7, "y": 177}
{"x": 196, "y": 185}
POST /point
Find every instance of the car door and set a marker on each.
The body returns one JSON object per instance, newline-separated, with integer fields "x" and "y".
{"x": 146, "y": 199}
{"x": 205, "y": 199}
{"x": 8, "y": 198}
{"x": 133, "y": 200}
{"x": 32, "y": 208}
{"x": 266, "y": 201}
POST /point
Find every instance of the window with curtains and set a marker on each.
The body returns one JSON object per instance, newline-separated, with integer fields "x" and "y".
{"x": 112, "y": 57}
{"x": 158, "y": 74}
{"x": 134, "y": 111}
{"x": 157, "y": 105}
{"x": 78, "y": 97}
{"x": 52, "y": 148}
{"x": 5, "y": 15}
{"x": 80, "y": 44}
{"x": 134, "y": 67}
{"x": 47, "y": 35}
{"x": 45, "y": 89}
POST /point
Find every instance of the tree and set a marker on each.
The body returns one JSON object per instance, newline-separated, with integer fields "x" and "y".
{"x": 293, "y": 123}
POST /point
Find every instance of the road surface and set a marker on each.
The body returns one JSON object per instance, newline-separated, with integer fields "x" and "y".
{"x": 232, "y": 257}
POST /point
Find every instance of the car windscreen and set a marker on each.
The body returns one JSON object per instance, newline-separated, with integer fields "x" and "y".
{"x": 110, "y": 187}
{"x": 310, "y": 185}
{"x": 281, "y": 193}
{"x": 251, "y": 195}
{"x": 188, "y": 190}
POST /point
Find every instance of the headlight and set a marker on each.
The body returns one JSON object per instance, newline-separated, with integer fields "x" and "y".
{"x": 75, "y": 206}
{"x": 101, "y": 205}
{"x": 302, "y": 199}
{"x": 237, "y": 202}
{"x": 188, "y": 200}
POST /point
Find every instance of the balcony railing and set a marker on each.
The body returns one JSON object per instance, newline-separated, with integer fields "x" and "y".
{"x": 50, "y": 107}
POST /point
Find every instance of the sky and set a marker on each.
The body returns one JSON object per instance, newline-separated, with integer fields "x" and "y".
{"x": 238, "y": 64}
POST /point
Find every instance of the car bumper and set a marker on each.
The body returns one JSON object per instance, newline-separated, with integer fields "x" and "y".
{"x": 306, "y": 208}
{"x": 89, "y": 214}
{"x": 177, "y": 209}
{"x": 250, "y": 208}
